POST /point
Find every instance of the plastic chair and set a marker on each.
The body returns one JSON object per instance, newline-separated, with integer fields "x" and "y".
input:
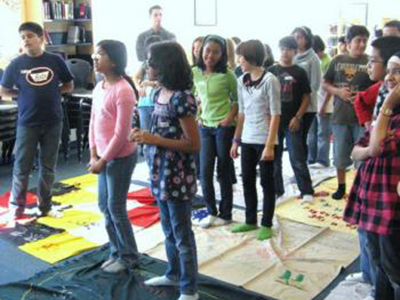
{"x": 85, "y": 112}
{"x": 8, "y": 131}
{"x": 82, "y": 71}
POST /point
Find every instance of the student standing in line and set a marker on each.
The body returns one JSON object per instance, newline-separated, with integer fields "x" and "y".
{"x": 256, "y": 133}
{"x": 382, "y": 50}
{"x": 112, "y": 156}
{"x": 216, "y": 87}
{"x": 173, "y": 140}
{"x": 347, "y": 75}
{"x": 295, "y": 98}
{"x": 309, "y": 61}
{"x": 364, "y": 104}
{"x": 319, "y": 136}
{"x": 374, "y": 202}
{"x": 37, "y": 79}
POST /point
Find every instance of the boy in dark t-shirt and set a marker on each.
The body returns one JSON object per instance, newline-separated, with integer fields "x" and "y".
{"x": 295, "y": 98}
{"x": 37, "y": 79}
{"x": 347, "y": 75}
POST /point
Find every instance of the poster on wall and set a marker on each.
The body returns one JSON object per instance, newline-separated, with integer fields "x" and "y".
{"x": 10, "y": 16}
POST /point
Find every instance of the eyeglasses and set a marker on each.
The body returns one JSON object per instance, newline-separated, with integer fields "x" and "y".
{"x": 98, "y": 55}
{"x": 394, "y": 71}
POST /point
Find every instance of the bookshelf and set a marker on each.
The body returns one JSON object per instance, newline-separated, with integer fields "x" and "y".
{"x": 68, "y": 27}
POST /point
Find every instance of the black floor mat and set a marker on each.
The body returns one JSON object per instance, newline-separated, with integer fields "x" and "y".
{"x": 81, "y": 278}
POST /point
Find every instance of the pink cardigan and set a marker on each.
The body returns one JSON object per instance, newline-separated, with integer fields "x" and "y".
{"x": 110, "y": 121}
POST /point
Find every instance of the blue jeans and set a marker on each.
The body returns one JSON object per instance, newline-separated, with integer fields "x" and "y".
{"x": 113, "y": 186}
{"x": 298, "y": 160}
{"x": 47, "y": 137}
{"x": 216, "y": 143}
{"x": 180, "y": 244}
{"x": 366, "y": 263}
{"x": 319, "y": 140}
{"x": 385, "y": 254}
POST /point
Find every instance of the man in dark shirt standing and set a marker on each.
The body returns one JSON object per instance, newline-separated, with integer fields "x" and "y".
{"x": 156, "y": 14}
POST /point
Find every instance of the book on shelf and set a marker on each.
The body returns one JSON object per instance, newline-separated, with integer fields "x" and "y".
{"x": 47, "y": 37}
{"x": 58, "y": 10}
{"x": 73, "y": 35}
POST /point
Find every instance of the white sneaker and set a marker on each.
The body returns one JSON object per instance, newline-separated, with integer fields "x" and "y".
{"x": 161, "y": 281}
{"x": 317, "y": 166}
{"x": 355, "y": 277}
{"x": 107, "y": 263}
{"x": 115, "y": 267}
{"x": 53, "y": 214}
{"x": 308, "y": 198}
{"x": 221, "y": 222}
{"x": 189, "y": 297}
{"x": 208, "y": 221}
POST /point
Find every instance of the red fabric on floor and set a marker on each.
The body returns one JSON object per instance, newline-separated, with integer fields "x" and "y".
{"x": 30, "y": 199}
{"x": 144, "y": 216}
{"x": 143, "y": 196}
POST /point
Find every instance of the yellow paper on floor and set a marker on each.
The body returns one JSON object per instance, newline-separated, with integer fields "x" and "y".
{"x": 322, "y": 211}
{"x": 76, "y": 197}
{"x": 71, "y": 219}
{"x": 58, "y": 247}
{"x": 83, "y": 181}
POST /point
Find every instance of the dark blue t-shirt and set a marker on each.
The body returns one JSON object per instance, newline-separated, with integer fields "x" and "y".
{"x": 38, "y": 82}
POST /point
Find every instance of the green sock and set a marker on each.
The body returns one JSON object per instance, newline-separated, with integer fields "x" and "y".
{"x": 265, "y": 233}
{"x": 243, "y": 228}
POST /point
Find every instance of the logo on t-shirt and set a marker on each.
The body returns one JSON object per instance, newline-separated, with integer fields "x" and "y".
{"x": 39, "y": 76}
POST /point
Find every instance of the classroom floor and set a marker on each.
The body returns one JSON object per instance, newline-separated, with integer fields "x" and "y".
{"x": 23, "y": 266}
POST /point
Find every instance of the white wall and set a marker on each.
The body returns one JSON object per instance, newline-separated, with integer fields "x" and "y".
{"x": 267, "y": 20}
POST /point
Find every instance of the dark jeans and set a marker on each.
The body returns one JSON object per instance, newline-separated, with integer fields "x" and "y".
{"x": 366, "y": 264}
{"x": 385, "y": 253}
{"x": 251, "y": 154}
{"x": 180, "y": 244}
{"x": 216, "y": 143}
{"x": 307, "y": 121}
{"x": 298, "y": 160}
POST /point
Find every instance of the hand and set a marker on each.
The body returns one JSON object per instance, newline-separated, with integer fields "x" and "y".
{"x": 131, "y": 136}
{"x": 98, "y": 166}
{"x": 268, "y": 153}
{"x": 142, "y": 137}
{"x": 344, "y": 94}
{"x": 322, "y": 111}
{"x": 225, "y": 122}
{"x": 234, "y": 150}
{"x": 294, "y": 124}
{"x": 393, "y": 98}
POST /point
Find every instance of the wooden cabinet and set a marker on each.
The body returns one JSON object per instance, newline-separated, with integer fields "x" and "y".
{"x": 68, "y": 27}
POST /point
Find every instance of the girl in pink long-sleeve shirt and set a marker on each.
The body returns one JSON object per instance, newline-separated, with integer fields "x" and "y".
{"x": 112, "y": 156}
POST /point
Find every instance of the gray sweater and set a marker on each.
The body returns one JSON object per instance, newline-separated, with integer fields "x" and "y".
{"x": 309, "y": 61}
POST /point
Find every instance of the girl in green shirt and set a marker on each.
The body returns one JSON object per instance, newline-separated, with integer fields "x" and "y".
{"x": 216, "y": 88}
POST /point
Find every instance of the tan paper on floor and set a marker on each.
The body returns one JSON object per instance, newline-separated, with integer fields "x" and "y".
{"x": 298, "y": 263}
{"x": 323, "y": 211}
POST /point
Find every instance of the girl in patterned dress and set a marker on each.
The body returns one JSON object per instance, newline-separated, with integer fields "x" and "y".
{"x": 173, "y": 140}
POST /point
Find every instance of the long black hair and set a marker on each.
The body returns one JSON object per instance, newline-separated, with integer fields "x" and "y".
{"x": 118, "y": 54}
{"x": 306, "y": 32}
{"x": 170, "y": 61}
{"x": 222, "y": 65}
